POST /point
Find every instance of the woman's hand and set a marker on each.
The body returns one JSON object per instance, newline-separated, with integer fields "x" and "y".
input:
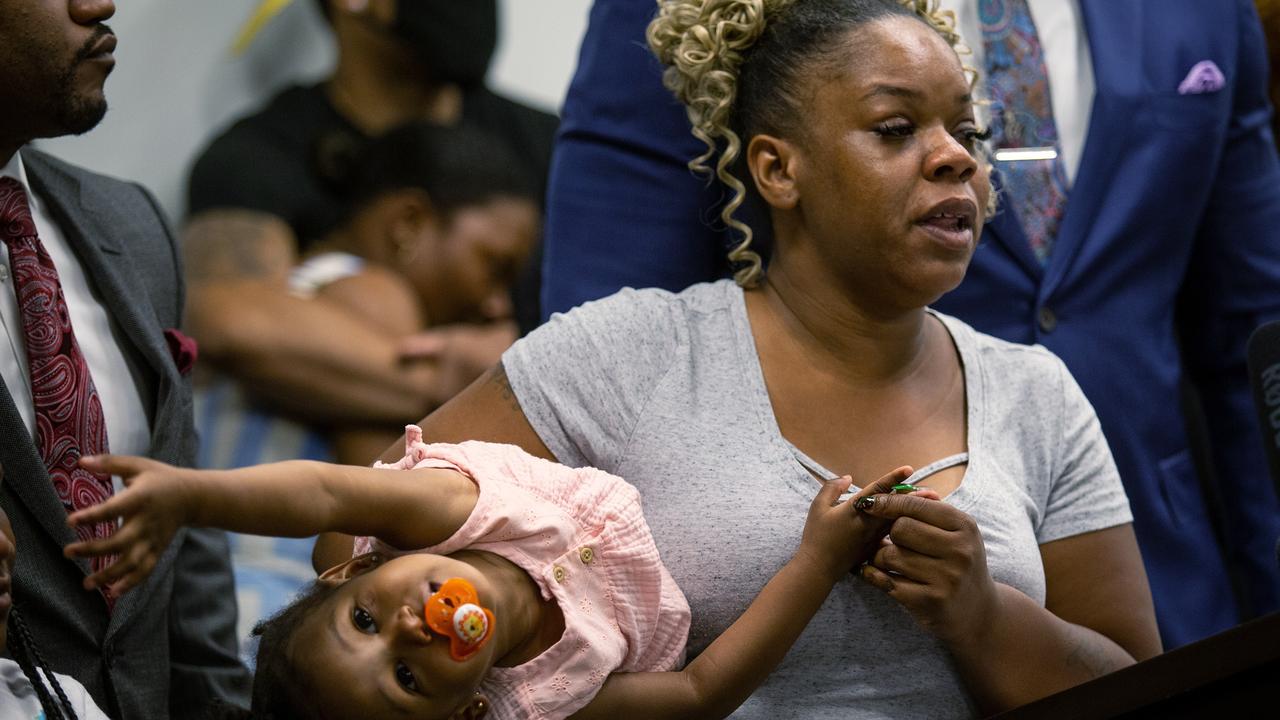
{"x": 836, "y": 536}
{"x": 153, "y": 505}
{"x": 934, "y": 564}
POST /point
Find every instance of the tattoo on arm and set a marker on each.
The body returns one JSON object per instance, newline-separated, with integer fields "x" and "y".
{"x": 1086, "y": 656}
{"x": 498, "y": 379}
{"x": 237, "y": 245}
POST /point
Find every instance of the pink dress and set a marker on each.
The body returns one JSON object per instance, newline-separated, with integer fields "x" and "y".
{"x": 579, "y": 533}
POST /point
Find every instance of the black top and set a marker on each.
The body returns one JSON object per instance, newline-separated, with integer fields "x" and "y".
{"x": 265, "y": 161}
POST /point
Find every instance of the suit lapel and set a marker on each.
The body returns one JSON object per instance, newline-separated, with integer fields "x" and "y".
{"x": 26, "y": 477}
{"x": 1114, "y": 32}
{"x": 95, "y": 235}
{"x": 1005, "y": 229}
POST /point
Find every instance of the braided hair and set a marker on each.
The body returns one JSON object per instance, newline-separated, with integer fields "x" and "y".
{"x": 25, "y": 652}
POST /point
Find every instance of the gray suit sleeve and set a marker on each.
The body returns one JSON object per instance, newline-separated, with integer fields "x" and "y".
{"x": 203, "y": 647}
{"x": 202, "y": 627}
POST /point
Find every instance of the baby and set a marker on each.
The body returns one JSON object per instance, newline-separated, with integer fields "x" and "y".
{"x": 497, "y": 582}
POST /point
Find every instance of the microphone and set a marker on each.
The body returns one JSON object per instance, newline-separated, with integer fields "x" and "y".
{"x": 1263, "y": 352}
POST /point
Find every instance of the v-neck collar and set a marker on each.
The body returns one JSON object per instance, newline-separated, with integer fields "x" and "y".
{"x": 785, "y": 453}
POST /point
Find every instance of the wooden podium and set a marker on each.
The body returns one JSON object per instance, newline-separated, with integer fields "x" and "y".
{"x": 1234, "y": 674}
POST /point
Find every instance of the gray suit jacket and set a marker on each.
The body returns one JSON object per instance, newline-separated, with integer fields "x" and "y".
{"x": 170, "y": 645}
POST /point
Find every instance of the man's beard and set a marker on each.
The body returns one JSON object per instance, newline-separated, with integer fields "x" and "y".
{"x": 77, "y": 114}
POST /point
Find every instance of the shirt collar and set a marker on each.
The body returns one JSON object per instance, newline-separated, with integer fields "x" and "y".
{"x": 18, "y": 171}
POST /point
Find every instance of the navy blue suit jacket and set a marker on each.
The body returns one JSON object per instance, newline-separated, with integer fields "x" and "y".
{"x": 1172, "y": 230}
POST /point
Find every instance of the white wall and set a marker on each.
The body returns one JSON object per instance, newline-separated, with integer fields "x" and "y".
{"x": 176, "y": 81}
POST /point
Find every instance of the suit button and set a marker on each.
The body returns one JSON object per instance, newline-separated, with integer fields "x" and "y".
{"x": 1048, "y": 321}
{"x": 586, "y": 555}
{"x": 559, "y": 574}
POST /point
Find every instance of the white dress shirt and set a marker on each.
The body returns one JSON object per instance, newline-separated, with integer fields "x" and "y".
{"x": 1067, "y": 62}
{"x": 128, "y": 429}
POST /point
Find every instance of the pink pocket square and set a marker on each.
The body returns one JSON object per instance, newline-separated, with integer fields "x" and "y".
{"x": 1205, "y": 77}
{"x": 183, "y": 349}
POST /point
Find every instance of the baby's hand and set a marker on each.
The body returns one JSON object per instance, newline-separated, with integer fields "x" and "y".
{"x": 836, "y": 535}
{"x": 153, "y": 506}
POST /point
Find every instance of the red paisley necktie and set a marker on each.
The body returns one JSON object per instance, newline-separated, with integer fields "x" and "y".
{"x": 68, "y": 412}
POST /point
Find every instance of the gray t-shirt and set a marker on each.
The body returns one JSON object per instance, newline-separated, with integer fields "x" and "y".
{"x": 666, "y": 390}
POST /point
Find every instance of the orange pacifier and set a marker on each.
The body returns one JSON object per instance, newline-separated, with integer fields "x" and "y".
{"x": 454, "y": 611}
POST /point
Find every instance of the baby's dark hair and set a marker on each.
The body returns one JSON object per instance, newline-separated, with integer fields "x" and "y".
{"x": 279, "y": 689}
{"x": 458, "y": 166}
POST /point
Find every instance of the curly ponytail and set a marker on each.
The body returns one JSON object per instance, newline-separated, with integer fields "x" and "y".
{"x": 702, "y": 44}
{"x": 736, "y": 65}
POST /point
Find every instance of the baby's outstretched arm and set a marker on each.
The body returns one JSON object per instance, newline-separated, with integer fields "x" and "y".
{"x": 837, "y": 537}
{"x": 298, "y": 498}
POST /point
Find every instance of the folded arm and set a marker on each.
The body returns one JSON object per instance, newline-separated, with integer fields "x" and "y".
{"x": 286, "y": 349}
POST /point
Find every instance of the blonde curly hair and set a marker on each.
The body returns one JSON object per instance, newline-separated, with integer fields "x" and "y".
{"x": 707, "y": 47}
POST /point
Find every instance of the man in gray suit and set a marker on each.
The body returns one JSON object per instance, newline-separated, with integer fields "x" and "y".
{"x": 168, "y": 647}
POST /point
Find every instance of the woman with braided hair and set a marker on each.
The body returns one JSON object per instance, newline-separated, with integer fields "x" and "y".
{"x": 852, "y": 124}
{"x": 28, "y": 689}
